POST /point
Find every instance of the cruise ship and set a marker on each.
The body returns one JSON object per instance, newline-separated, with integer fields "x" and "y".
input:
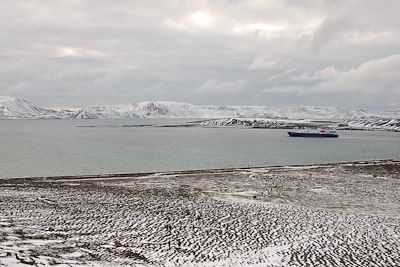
{"x": 319, "y": 133}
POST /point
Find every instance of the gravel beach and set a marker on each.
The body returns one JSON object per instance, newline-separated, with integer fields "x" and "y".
{"x": 341, "y": 214}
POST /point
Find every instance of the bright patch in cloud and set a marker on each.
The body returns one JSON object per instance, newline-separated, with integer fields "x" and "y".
{"x": 201, "y": 19}
{"x": 67, "y": 52}
{"x": 191, "y": 22}
{"x": 76, "y": 52}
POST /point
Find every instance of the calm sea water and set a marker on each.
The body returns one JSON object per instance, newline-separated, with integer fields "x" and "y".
{"x": 59, "y": 147}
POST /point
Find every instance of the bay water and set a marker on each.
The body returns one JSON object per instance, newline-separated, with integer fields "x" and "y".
{"x": 68, "y": 147}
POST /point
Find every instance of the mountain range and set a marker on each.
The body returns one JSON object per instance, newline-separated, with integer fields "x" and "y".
{"x": 18, "y": 108}
{"x": 253, "y": 116}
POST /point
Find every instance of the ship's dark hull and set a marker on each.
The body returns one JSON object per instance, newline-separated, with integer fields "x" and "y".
{"x": 298, "y": 134}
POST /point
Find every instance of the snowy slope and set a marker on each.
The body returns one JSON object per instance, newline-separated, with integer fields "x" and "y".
{"x": 262, "y": 123}
{"x": 143, "y": 110}
{"x": 374, "y": 124}
{"x": 327, "y": 113}
{"x": 18, "y": 108}
{"x": 160, "y": 109}
{"x": 354, "y": 124}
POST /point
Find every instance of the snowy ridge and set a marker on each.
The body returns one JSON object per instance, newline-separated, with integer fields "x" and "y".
{"x": 361, "y": 124}
{"x": 255, "y": 116}
{"x": 377, "y": 124}
{"x": 18, "y": 108}
{"x": 142, "y": 110}
{"x": 161, "y": 109}
{"x": 12, "y": 107}
{"x": 254, "y": 122}
{"x": 165, "y": 109}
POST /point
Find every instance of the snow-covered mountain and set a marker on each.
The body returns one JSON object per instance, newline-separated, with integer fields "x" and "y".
{"x": 161, "y": 109}
{"x": 155, "y": 109}
{"x": 18, "y": 108}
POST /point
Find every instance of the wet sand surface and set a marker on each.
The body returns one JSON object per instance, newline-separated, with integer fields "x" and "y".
{"x": 345, "y": 214}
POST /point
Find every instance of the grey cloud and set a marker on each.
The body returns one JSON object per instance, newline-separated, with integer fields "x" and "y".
{"x": 381, "y": 75}
{"x": 363, "y": 19}
{"x": 281, "y": 75}
{"x": 262, "y": 63}
{"x": 320, "y": 75}
{"x": 218, "y": 87}
{"x": 373, "y": 81}
{"x": 84, "y": 52}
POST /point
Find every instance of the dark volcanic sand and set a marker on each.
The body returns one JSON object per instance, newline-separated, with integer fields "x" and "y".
{"x": 344, "y": 214}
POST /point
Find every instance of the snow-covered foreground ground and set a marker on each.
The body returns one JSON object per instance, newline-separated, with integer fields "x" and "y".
{"x": 326, "y": 215}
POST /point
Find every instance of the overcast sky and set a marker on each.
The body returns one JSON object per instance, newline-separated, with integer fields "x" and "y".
{"x": 227, "y": 52}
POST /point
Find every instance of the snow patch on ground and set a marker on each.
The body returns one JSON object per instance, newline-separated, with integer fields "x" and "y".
{"x": 325, "y": 215}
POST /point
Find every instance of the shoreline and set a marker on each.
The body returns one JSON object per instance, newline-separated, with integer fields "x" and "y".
{"x": 196, "y": 171}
